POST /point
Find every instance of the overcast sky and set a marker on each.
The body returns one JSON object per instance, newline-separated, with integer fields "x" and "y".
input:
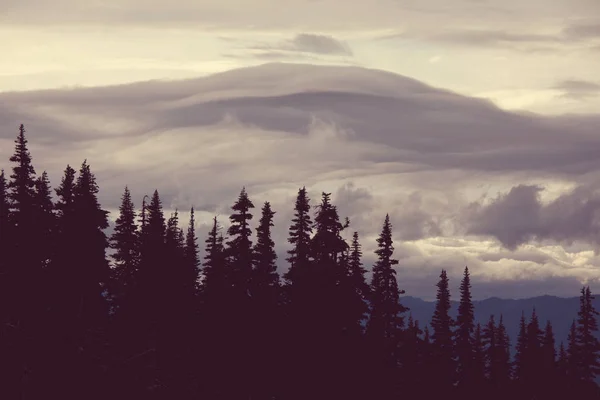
{"x": 474, "y": 123}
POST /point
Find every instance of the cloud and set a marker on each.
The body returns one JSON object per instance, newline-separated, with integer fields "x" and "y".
{"x": 318, "y": 44}
{"x": 578, "y": 89}
{"x": 379, "y": 142}
{"x": 519, "y": 217}
{"x": 581, "y": 31}
{"x": 303, "y": 46}
{"x": 481, "y": 37}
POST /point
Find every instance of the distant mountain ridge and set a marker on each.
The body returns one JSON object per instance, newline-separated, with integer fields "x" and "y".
{"x": 560, "y": 311}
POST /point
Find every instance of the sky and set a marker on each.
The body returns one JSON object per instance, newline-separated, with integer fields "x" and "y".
{"x": 475, "y": 124}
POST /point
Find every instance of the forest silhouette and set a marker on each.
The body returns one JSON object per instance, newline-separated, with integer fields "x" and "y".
{"x": 154, "y": 320}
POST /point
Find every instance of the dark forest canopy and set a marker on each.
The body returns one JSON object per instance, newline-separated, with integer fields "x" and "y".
{"x": 155, "y": 321}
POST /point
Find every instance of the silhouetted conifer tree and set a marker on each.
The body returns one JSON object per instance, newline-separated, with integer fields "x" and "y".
{"x": 192, "y": 259}
{"x": 503, "y": 364}
{"x": 587, "y": 341}
{"x": 23, "y": 274}
{"x": 359, "y": 286}
{"x": 489, "y": 336}
{"x": 479, "y": 364}
{"x": 385, "y": 321}
{"x": 464, "y": 333}
{"x": 125, "y": 242}
{"x": 265, "y": 290}
{"x": 45, "y": 221}
{"x": 300, "y": 233}
{"x": 442, "y": 325}
{"x": 521, "y": 350}
{"x": 573, "y": 355}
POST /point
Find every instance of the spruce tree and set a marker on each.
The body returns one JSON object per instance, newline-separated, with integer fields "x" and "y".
{"x": 521, "y": 351}
{"x": 265, "y": 279}
{"x": 442, "y": 325}
{"x": 125, "y": 242}
{"x": 464, "y": 333}
{"x": 5, "y": 233}
{"x": 360, "y": 290}
{"x": 574, "y": 355}
{"x": 5, "y": 247}
{"x": 587, "y": 341}
{"x": 45, "y": 218}
{"x": 192, "y": 259}
{"x": 240, "y": 244}
{"x": 491, "y": 351}
{"x": 215, "y": 269}
{"x": 479, "y": 362}
{"x": 385, "y": 320}
{"x": 503, "y": 368}
{"x": 300, "y": 233}
{"x": 265, "y": 299}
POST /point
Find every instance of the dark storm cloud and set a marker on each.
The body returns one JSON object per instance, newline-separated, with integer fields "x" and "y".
{"x": 519, "y": 216}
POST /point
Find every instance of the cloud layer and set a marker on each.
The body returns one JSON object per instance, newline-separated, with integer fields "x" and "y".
{"x": 381, "y": 143}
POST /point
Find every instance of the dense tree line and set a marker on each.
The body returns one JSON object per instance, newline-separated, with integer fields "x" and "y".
{"x": 154, "y": 320}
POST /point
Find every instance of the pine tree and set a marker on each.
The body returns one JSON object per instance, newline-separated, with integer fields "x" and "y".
{"x": 503, "y": 368}
{"x": 24, "y": 276}
{"x": 442, "y": 325}
{"x": 587, "y": 342}
{"x": 80, "y": 275}
{"x": 5, "y": 247}
{"x": 265, "y": 298}
{"x": 192, "y": 259}
{"x": 479, "y": 361}
{"x": 22, "y": 189}
{"x": 491, "y": 351}
{"x": 521, "y": 351}
{"x": 240, "y": 244}
{"x": 300, "y": 233}
{"x": 265, "y": 279}
{"x": 385, "y": 321}
{"x": 464, "y": 333}
{"x": 574, "y": 355}
{"x": 5, "y": 232}
{"x": 45, "y": 221}
{"x": 358, "y": 286}
{"x": 125, "y": 242}
{"x": 214, "y": 268}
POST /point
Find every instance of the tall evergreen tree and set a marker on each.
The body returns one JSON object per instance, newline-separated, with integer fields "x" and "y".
{"x": 503, "y": 365}
{"x": 214, "y": 268}
{"x": 464, "y": 333}
{"x": 300, "y": 233}
{"x": 385, "y": 321}
{"x": 479, "y": 362}
{"x": 491, "y": 351}
{"x": 5, "y": 233}
{"x": 521, "y": 351}
{"x": 574, "y": 355}
{"x": 266, "y": 299}
{"x": 240, "y": 244}
{"x": 442, "y": 325}
{"x": 125, "y": 242}
{"x": 45, "y": 227}
{"x": 192, "y": 258}
{"x": 265, "y": 279}
{"x": 587, "y": 341}
{"x": 358, "y": 286}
